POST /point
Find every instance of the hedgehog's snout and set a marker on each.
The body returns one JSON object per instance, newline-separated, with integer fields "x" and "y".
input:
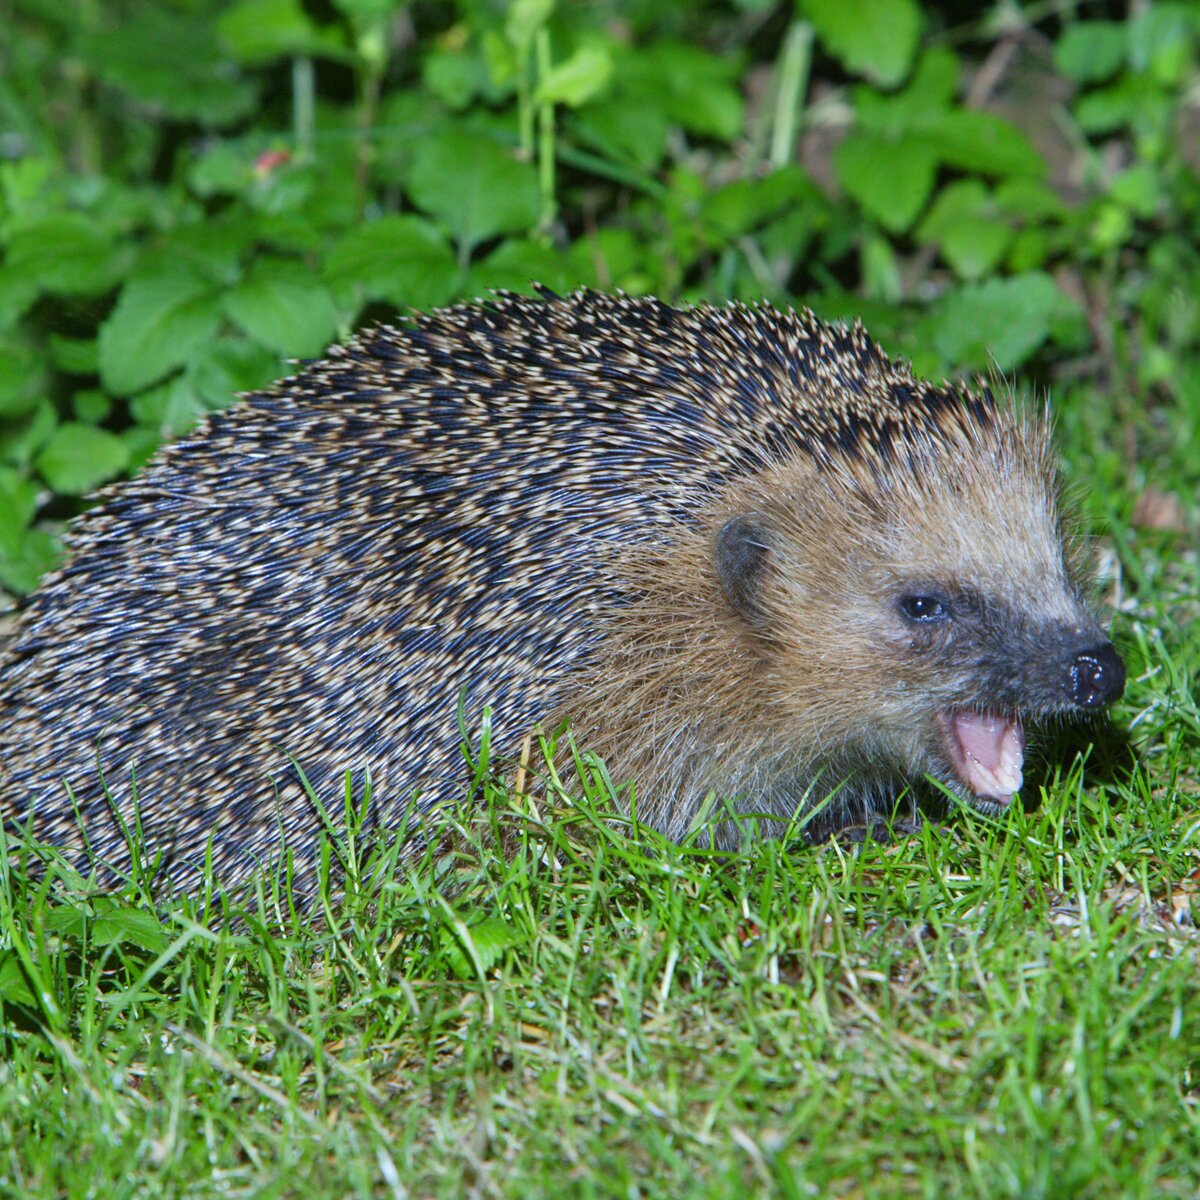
{"x": 1096, "y": 676}
{"x": 1083, "y": 670}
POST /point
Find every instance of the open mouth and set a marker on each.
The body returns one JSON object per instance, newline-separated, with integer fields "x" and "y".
{"x": 987, "y": 752}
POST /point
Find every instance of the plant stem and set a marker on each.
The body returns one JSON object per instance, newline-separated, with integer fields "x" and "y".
{"x": 545, "y": 138}
{"x": 794, "y": 64}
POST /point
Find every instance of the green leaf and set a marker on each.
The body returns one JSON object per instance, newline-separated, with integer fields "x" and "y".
{"x": 160, "y": 318}
{"x": 172, "y": 62}
{"x": 122, "y": 926}
{"x": 1161, "y": 38}
{"x": 78, "y": 458}
{"x": 14, "y": 989}
{"x": 17, "y": 293}
{"x": 519, "y": 263}
{"x": 475, "y": 187}
{"x": 489, "y": 939}
{"x": 577, "y": 79}
{"x": 34, "y": 554}
{"x": 455, "y": 77}
{"x": 891, "y": 180}
{"x": 1002, "y": 320}
{"x": 1090, "y": 51}
{"x": 63, "y": 253}
{"x": 625, "y": 128}
{"x": 525, "y": 18}
{"x": 21, "y": 439}
{"x": 18, "y": 503}
{"x": 23, "y": 376}
{"x": 92, "y": 406}
{"x": 977, "y": 141}
{"x": 740, "y": 206}
{"x": 228, "y": 366}
{"x": 77, "y": 356}
{"x": 258, "y": 31}
{"x": 1108, "y": 109}
{"x": 170, "y": 409}
{"x": 1141, "y": 189}
{"x": 875, "y": 38}
{"x": 1028, "y": 199}
{"x": 404, "y": 261}
{"x": 964, "y": 222}
{"x": 696, "y": 89}
{"x": 283, "y": 308}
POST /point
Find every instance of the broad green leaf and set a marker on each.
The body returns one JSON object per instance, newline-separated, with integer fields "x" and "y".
{"x": 1161, "y": 39}
{"x": 519, "y": 263}
{"x": 974, "y": 245}
{"x": 121, "y": 926}
{"x": 170, "y": 409}
{"x": 17, "y": 292}
{"x": 141, "y": 441}
{"x": 1000, "y": 321}
{"x": 474, "y": 187}
{"x": 881, "y": 271}
{"x": 227, "y": 366}
{"x": 34, "y": 554}
{"x": 891, "y": 180}
{"x": 1141, "y": 189}
{"x": 742, "y": 205}
{"x": 23, "y": 376}
{"x": 91, "y": 406}
{"x": 1028, "y": 199}
{"x": 62, "y": 253}
{"x": 170, "y": 61}
{"x": 77, "y": 356}
{"x": 260, "y": 30}
{"x": 283, "y": 309}
{"x": 1108, "y": 109}
{"x": 78, "y": 458}
{"x": 963, "y": 220}
{"x": 402, "y": 260}
{"x": 930, "y": 91}
{"x": 875, "y": 38}
{"x": 525, "y": 18}
{"x": 625, "y": 128}
{"x": 455, "y": 77}
{"x": 489, "y": 939}
{"x": 160, "y": 318}
{"x": 18, "y": 503}
{"x": 1089, "y": 51}
{"x": 696, "y": 89}
{"x": 14, "y": 988}
{"x": 977, "y": 141}
{"x": 21, "y": 438}
{"x": 577, "y": 79}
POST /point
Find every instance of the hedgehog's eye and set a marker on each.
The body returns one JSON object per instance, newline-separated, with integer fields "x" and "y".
{"x": 925, "y": 609}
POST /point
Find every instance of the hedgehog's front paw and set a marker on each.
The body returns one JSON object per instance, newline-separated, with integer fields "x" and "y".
{"x": 879, "y": 829}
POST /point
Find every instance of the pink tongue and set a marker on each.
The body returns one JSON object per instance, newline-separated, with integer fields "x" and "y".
{"x": 993, "y": 752}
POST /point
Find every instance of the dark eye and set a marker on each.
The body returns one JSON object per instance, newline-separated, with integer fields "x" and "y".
{"x": 925, "y": 609}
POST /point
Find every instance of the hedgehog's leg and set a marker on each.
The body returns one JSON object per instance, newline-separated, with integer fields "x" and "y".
{"x": 886, "y": 831}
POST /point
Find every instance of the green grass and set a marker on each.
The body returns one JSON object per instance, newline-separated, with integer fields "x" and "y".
{"x": 990, "y": 1008}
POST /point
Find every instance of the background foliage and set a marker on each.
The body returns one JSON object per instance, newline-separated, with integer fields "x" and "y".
{"x": 194, "y": 192}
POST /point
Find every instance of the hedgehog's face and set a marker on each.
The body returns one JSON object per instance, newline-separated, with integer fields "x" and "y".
{"x": 916, "y": 633}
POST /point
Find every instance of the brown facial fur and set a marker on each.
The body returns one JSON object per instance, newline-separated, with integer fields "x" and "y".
{"x": 823, "y": 687}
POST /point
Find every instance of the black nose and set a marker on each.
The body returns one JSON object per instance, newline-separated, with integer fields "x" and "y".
{"x": 1097, "y": 676}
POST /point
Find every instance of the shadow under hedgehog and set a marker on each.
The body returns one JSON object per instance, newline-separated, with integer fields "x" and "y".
{"x": 740, "y": 549}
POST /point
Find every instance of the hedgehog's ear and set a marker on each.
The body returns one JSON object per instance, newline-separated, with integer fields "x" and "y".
{"x": 741, "y": 551}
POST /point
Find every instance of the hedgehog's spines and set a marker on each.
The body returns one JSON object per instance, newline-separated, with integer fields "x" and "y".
{"x": 526, "y": 496}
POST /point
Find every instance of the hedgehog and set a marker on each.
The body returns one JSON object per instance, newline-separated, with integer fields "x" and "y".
{"x": 739, "y": 550}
